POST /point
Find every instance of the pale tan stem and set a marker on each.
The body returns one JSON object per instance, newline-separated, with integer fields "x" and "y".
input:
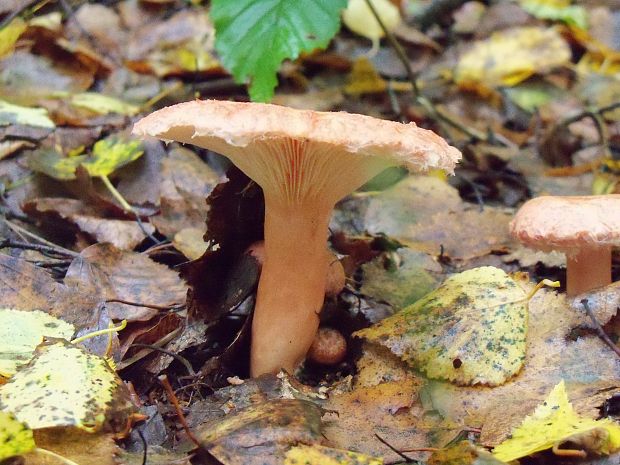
{"x": 589, "y": 269}
{"x": 291, "y": 287}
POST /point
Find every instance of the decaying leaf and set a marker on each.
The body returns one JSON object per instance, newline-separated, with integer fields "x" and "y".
{"x": 321, "y": 455}
{"x": 20, "y": 334}
{"x": 463, "y": 453}
{"x": 511, "y": 56}
{"x": 65, "y": 386}
{"x": 470, "y": 330}
{"x": 400, "y": 278}
{"x": 102, "y": 104}
{"x": 15, "y": 437}
{"x": 190, "y": 242}
{"x": 74, "y": 444}
{"x": 555, "y": 422}
{"x": 263, "y": 433}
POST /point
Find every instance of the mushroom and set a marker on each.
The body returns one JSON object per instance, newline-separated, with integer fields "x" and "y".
{"x": 583, "y": 227}
{"x": 305, "y": 161}
{"x": 328, "y": 348}
{"x": 335, "y": 278}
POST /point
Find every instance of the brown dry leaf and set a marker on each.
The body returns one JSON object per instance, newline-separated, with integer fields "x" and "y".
{"x": 390, "y": 410}
{"x": 104, "y": 270}
{"x": 185, "y": 183}
{"x": 99, "y": 22}
{"x": 74, "y": 214}
{"x": 181, "y": 44}
{"x": 26, "y": 287}
{"x": 461, "y": 235}
{"x": 604, "y": 303}
{"x": 79, "y": 446}
{"x": 587, "y": 365}
{"x": 190, "y": 242}
{"x": 27, "y": 78}
{"x": 261, "y": 434}
{"x": 318, "y": 100}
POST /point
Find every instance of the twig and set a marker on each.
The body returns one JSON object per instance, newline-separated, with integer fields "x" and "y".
{"x": 181, "y": 359}
{"x": 143, "y": 353}
{"x": 418, "y": 97}
{"x": 126, "y": 206}
{"x": 598, "y": 328}
{"x": 163, "y": 379}
{"x": 394, "y": 449}
{"x": 38, "y": 247}
{"x": 140, "y": 304}
{"x": 24, "y": 232}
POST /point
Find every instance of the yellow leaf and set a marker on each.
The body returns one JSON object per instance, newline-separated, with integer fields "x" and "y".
{"x": 364, "y": 79}
{"x": 20, "y": 334}
{"x": 321, "y": 455}
{"x": 15, "y": 437}
{"x": 511, "y": 56}
{"x": 9, "y": 35}
{"x": 555, "y": 422}
{"x": 16, "y": 114}
{"x": 108, "y": 155}
{"x": 64, "y": 386}
{"x": 470, "y": 330}
{"x": 103, "y": 104}
{"x": 359, "y": 18}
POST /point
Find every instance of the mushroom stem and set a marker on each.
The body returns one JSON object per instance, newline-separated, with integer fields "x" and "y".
{"x": 588, "y": 269}
{"x": 291, "y": 287}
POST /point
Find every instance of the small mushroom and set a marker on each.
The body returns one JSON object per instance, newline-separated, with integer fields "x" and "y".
{"x": 305, "y": 161}
{"x": 328, "y": 348}
{"x": 583, "y": 227}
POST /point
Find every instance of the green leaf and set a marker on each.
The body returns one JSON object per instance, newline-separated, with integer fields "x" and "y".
{"x": 15, "y": 437}
{"x": 111, "y": 154}
{"x": 16, "y": 114}
{"x": 20, "y": 334}
{"x": 575, "y": 15}
{"x": 253, "y": 37}
{"x": 63, "y": 386}
{"x": 469, "y": 330}
{"x": 54, "y": 164}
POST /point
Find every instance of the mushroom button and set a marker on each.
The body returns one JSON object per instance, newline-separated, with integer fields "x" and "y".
{"x": 305, "y": 161}
{"x": 583, "y": 227}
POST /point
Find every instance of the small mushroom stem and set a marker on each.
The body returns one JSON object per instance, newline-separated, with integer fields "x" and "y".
{"x": 291, "y": 287}
{"x": 588, "y": 269}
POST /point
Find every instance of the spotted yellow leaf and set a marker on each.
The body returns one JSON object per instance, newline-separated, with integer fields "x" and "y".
{"x": 321, "y": 455}
{"x": 20, "y": 334}
{"x": 103, "y": 104}
{"x": 555, "y": 422}
{"x": 64, "y": 386}
{"x": 15, "y": 437}
{"x": 470, "y": 330}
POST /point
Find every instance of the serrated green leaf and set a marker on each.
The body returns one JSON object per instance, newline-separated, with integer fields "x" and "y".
{"x": 253, "y": 37}
{"x": 62, "y": 386}
{"x": 108, "y": 155}
{"x": 15, "y": 437}
{"x": 16, "y": 114}
{"x": 469, "y": 330}
{"x": 20, "y": 334}
{"x": 103, "y": 104}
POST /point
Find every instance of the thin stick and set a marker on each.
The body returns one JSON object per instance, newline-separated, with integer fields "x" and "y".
{"x": 181, "y": 359}
{"x": 394, "y": 449}
{"x": 163, "y": 379}
{"x": 25, "y": 232}
{"x": 140, "y": 304}
{"x": 599, "y": 329}
{"x": 128, "y": 208}
{"x": 38, "y": 247}
{"x": 426, "y": 103}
